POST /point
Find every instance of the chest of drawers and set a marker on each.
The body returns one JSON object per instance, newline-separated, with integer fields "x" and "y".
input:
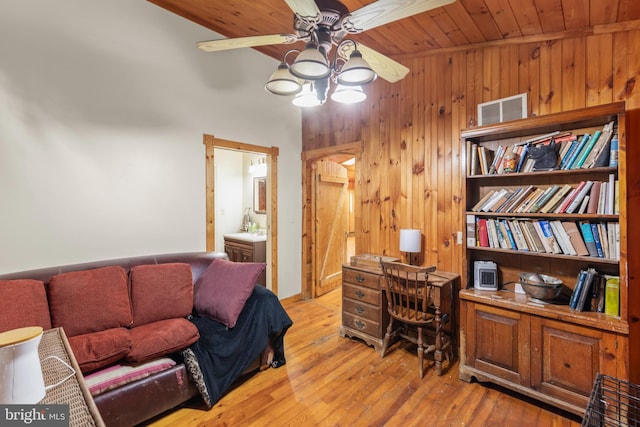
{"x": 364, "y": 305}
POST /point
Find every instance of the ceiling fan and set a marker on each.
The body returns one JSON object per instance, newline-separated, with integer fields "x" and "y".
{"x": 322, "y": 24}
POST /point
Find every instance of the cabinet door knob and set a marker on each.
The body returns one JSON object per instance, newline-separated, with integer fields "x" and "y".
{"x": 360, "y": 309}
{"x": 359, "y": 278}
{"x": 359, "y": 294}
{"x": 360, "y": 324}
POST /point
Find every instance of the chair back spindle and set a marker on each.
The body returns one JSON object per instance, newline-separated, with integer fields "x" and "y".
{"x": 409, "y": 297}
{"x": 409, "y": 294}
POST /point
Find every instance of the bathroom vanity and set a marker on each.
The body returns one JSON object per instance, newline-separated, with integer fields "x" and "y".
{"x": 247, "y": 247}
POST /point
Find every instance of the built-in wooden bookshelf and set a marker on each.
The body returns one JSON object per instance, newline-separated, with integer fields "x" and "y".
{"x": 545, "y": 349}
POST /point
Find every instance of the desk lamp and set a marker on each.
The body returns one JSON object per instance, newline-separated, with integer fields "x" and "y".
{"x": 410, "y": 242}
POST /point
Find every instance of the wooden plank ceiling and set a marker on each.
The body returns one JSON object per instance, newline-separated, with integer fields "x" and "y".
{"x": 462, "y": 23}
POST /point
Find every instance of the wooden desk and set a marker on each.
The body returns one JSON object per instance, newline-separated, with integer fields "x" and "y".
{"x": 364, "y": 305}
{"x": 72, "y": 392}
{"x": 443, "y": 283}
{"x": 365, "y": 315}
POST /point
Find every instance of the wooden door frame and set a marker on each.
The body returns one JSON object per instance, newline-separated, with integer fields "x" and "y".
{"x": 272, "y": 153}
{"x": 308, "y": 158}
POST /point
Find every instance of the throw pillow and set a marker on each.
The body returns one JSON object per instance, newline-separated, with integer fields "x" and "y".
{"x": 23, "y": 303}
{"x": 90, "y": 300}
{"x": 161, "y": 338}
{"x": 162, "y": 291}
{"x": 223, "y": 289}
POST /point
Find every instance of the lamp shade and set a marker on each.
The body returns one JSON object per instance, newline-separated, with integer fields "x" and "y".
{"x": 310, "y": 64}
{"x": 307, "y": 97}
{"x": 282, "y": 82}
{"x": 348, "y": 94}
{"x": 410, "y": 240}
{"x": 356, "y": 71}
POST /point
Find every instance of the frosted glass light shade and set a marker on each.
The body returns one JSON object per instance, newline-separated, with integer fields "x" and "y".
{"x": 356, "y": 71}
{"x": 348, "y": 94}
{"x": 410, "y": 240}
{"x": 310, "y": 64}
{"x": 282, "y": 82}
{"x": 307, "y": 97}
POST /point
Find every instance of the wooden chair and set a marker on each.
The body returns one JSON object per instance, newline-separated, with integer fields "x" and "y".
{"x": 410, "y": 306}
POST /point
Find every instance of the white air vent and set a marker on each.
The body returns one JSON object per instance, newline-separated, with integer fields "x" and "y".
{"x": 503, "y": 110}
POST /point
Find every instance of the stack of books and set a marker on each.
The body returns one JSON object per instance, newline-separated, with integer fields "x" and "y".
{"x": 599, "y": 149}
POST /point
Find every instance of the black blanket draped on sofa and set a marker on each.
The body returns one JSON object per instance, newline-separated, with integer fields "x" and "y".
{"x": 221, "y": 354}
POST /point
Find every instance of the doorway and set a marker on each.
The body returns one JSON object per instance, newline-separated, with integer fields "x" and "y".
{"x": 330, "y": 209}
{"x": 267, "y": 204}
{"x": 326, "y": 244}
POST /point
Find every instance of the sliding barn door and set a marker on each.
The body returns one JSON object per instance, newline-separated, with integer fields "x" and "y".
{"x": 331, "y": 215}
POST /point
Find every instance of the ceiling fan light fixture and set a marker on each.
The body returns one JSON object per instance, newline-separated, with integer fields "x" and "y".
{"x": 282, "y": 82}
{"x": 307, "y": 97}
{"x": 348, "y": 94}
{"x": 311, "y": 64}
{"x": 356, "y": 71}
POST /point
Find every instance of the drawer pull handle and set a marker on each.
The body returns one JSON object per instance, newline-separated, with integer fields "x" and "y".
{"x": 360, "y": 294}
{"x": 360, "y": 310}
{"x": 359, "y": 278}
{"x": 360, "y": 324}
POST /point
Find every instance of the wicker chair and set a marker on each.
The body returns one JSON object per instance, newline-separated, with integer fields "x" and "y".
{"x": 410, "y": 306}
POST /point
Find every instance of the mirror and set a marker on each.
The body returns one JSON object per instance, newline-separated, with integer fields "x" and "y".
{"x": 260, "y": 195}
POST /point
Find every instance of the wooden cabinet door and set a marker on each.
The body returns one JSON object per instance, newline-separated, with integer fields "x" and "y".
{"x": 566, "y": 359}
{"x": 234, "y": 253}
{"x": 239, "y": 252}
{"x": 497, "y": 342}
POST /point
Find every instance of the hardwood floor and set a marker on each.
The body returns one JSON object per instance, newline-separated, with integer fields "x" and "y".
{"x": 333, "y": 381}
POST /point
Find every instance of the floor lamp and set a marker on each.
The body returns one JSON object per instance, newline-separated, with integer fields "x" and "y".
{"x": 410, "y": 242}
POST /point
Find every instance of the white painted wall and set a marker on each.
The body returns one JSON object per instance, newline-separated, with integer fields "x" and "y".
{"x": 103, "y": 104}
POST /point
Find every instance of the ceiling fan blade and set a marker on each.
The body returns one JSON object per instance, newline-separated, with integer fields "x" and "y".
{"x": 251, "y": 41}
{"x": 305, "y": 9}
{"x": 385, "y": 11}
{"x": 384, "y": 66}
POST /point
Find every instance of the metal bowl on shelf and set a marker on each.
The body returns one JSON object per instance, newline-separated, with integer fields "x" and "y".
{"x": 541, "y": 286}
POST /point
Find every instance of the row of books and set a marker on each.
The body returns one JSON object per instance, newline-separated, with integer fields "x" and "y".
{"x": 596, "y": 292}
{"x": 597, "y": 239}
{"x": 570, "y": 151}
{"x": 589, "y": 151}
{"x": 593, "y": 197}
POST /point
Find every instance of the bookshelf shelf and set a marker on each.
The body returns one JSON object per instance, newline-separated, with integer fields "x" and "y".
{"x": 572, "y": 258}
{"x": 508, "y": 299}
{"x": 601, "y": 217}
{"x": 545, "y": 174}
{"x": 546, "y": 349}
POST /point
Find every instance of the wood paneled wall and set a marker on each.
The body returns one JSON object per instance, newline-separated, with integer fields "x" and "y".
{"x": 410, "y": 173}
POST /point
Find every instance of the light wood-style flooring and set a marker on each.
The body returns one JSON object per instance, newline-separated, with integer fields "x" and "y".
{"x": 333, "y": 381}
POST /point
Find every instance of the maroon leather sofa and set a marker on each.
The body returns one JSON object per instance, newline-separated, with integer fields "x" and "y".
{"x": 136, "y": 402}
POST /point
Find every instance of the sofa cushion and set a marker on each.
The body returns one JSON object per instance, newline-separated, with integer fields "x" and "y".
{"x": 98, "y": 349}
{"x": 15, "y": 296}
{"x": 223, "y": 289}
{"x": 159, "y": 292}
{"x": 90, "y": 301}
{"x": 160, "y": 338}
{"x": 120, "y": 374}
